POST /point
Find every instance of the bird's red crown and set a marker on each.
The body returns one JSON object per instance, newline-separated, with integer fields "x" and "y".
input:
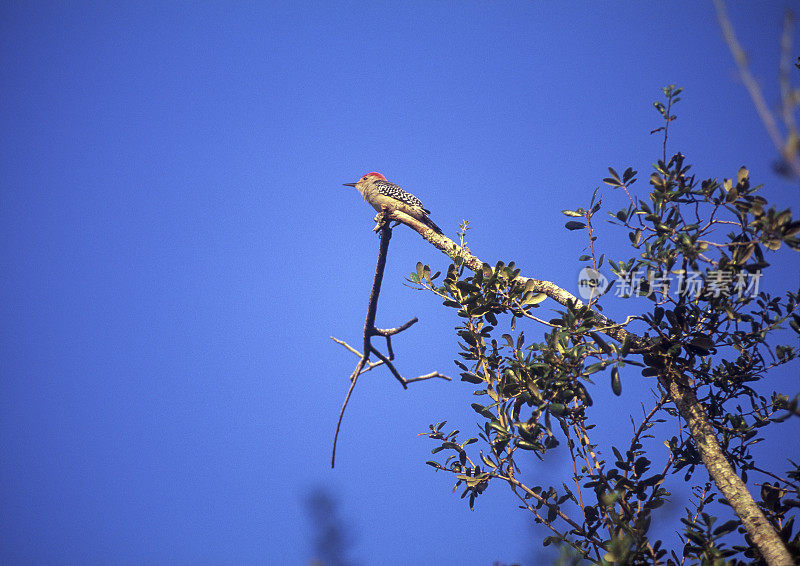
{"x": 375, "y": 174}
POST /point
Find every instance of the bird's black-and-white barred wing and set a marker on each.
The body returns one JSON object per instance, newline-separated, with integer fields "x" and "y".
{"x": 393, "y": 191}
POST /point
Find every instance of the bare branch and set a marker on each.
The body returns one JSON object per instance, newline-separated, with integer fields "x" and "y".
{"x": 370, "y": 330}
{"x": 788, "y": 95}
{"x": 787, "y": 150}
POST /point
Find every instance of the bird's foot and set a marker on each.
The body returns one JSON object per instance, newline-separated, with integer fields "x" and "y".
{"x": 381, "y": 219}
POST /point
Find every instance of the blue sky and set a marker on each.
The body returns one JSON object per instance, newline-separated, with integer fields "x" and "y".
{"x": 177, "y": 248}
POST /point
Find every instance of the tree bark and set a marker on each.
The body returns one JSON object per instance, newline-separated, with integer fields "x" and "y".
{"x": 725, "y": 477}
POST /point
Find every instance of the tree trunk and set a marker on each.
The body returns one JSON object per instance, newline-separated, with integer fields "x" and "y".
{"x": 726, "y": 479}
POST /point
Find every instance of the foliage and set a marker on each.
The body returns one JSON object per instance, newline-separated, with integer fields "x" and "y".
{"x": 717, "y": 328}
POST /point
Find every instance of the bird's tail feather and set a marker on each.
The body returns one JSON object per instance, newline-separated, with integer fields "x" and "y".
{"x": 433, "y": 225}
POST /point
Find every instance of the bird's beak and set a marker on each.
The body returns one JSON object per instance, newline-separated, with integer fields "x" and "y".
{"x": 348, "y": 184}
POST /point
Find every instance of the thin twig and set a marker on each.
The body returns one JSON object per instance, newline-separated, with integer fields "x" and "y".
{"x": 666, "y": 128}
{"x": 353, "y": 379}
{"x": 428, "y": 376}
{"x": 390, "y": 365}
{"x": 399, "y": 329}
{"x": 368, "y": 366}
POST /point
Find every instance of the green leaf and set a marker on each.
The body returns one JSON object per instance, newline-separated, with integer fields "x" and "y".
{"x": 467, "y": 287}
{"x": 593, "y": 368}
{"x": 471, "y": 378}
{"x": 791, "y": 229}
{"x": 616, "y": 384}
{"x": 573, "y": 213}
{"x": 702, "y": 343}
{"x": 481, "y": 410}
{"x": 628, "y": 174}
{"x": 533, "y": 298}
{"x": 656, "y": 180}
{"x": 726, "y": 527}
{"x": 742, "y": 174}
{"x": 574, "y": 225}
{"x": 602, "y": 343}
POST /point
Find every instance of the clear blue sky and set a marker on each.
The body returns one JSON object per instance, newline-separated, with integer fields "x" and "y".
{"x": 177, "y": 248}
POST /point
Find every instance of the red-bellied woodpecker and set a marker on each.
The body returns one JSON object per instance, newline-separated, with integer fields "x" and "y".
{"x": 380, "y": 193}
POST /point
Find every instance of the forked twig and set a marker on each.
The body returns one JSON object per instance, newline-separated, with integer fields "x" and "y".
{"x": 370, "y": 330}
